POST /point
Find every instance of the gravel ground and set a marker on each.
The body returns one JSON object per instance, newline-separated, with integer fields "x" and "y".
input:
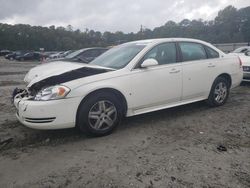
{"x": 178, "y": 147}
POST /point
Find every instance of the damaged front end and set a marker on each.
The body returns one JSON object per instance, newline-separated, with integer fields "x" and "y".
{"x": 19, "y": 94}
{"x": 51, "y": 85}
{"x": 38, "y": 107}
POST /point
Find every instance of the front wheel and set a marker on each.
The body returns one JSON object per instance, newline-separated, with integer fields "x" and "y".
{"x": 99, "y": 114}
{"x": 219, "y": 92}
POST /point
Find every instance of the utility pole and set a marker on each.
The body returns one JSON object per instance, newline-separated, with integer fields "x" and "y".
{"x": 141, "y": 32}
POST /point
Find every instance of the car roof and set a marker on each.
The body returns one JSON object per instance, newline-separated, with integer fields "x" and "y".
{"x": 159, "y": 40}
{"x": 162, "y": 40}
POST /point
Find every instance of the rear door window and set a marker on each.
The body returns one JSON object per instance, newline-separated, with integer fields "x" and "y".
{"x": 192, "y": 51}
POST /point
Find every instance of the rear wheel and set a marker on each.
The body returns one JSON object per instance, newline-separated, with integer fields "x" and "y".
{"x": 99, "y": 114}
{"x": 219, "y": 92}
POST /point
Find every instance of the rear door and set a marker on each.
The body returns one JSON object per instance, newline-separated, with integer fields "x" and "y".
{"x": 198, "y": 70}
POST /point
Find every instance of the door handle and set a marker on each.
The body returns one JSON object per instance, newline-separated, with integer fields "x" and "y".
{"x": 173, "y": 72}
{"x": 211, "y": 65}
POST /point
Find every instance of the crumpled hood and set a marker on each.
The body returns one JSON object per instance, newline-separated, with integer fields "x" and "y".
{"x": 50, "y": 69}
{"x": 60, "y": 72}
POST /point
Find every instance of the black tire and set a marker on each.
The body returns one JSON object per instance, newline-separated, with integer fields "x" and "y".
{"x": 213, "y": 99}
{"x": 22, "y": 59}
{"x": 85, "y": 124}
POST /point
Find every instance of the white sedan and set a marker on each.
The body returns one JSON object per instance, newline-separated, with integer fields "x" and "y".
{"x": 244, "y": 55}
{"x": 245, "y": 58}
{"x": 130, "y": 79}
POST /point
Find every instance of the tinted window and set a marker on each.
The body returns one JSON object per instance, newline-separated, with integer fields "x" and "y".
{"x": 89, "y": 53}
{"x": 163, "y": 53}
{"x": 101, "y": 51}
{"x": 192, "y": 51}
{"x": 92, "y": 53}
{"x": 211, "y": 53}
{"x": 28, "y": 54}
{"x": 74, "y": 54}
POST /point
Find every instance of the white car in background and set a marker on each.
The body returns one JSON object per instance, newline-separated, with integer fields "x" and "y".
{"x": 244, "y": 55}
{"x": 245, "y": 58}
{"x": 130, "y": 79}
{"x": 56, "y": 55}
{"x": 242, "y": 50}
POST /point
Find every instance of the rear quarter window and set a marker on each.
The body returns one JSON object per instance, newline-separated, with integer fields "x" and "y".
{"x": 211, "y": 53}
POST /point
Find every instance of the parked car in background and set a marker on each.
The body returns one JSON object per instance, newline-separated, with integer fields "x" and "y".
{"x": 4, "y": 52}
{"x": 130, "y": 79}
{"x": 85, "y": 55}
{"x": 13, "y": 55}
{"x": 67, "y": 53}
{"x": 244, "y": 54}
{"x": 242, "y": 49}
{"x": 245, "y": 58}
{"x": 56, "y": 55}
{"x": 30, "y": 56}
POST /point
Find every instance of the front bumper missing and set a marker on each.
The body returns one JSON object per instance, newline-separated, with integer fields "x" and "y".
{"x": 54, "y": 114}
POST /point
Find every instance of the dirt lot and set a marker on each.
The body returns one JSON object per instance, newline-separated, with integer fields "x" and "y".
{"x": 177, "y": 147}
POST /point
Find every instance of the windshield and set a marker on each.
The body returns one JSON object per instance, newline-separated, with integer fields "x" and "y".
{"x": 118, "y": 57}
{"x": 72, "y": 55}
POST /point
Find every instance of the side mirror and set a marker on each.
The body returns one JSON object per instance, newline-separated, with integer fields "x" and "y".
{"x": 149, "y": 63}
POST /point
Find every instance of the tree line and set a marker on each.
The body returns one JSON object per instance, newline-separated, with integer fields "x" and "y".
{"x": 229, "y": 26}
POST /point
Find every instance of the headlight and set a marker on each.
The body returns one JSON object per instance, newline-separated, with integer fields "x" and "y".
{"x": 52, "y": 93}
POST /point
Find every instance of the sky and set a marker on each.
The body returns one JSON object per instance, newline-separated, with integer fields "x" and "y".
{"x": 110, "y": 15}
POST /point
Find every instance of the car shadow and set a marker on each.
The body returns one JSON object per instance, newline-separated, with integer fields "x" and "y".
{"x": 164, "y": 115}
{"x": 247, "y": 84}
{"x": 35, "y": 138}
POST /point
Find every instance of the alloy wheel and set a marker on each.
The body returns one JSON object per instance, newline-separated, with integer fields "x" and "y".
{"x": 102, "y": 115}
{"x": 220, "y": 92}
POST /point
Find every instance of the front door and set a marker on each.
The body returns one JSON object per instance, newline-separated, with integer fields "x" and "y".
{"x": 157, "y": 85}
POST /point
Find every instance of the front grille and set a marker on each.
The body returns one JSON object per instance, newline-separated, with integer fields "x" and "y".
{"x": 39, "y": 120}
{"x": 246, "y": 68}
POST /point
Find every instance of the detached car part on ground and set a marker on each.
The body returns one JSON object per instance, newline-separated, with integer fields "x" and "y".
{"x": 130, "y": 79}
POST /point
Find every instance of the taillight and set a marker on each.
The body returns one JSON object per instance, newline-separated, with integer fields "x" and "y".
{"x": 240, "y": 62}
